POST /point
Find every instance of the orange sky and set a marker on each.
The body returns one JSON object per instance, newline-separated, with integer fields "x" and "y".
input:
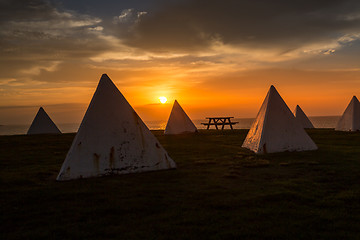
{"x": 318, "y": 93}
{"x": 58, "y": 66}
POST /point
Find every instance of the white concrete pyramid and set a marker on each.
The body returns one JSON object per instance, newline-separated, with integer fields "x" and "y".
{"x": 112, "y": 139}
{"x": 350, "y": 120}
{"x": 42, "y": 124}
{"x": 275, "y": 128}
{"x": 302, "y": 118}
{"x": 179, "y": 122}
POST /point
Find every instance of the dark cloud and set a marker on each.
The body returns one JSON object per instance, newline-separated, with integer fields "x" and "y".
{"x": 196, "y": 24}
{"x": 35, "y": 36}
{"x": 24, "y": 10}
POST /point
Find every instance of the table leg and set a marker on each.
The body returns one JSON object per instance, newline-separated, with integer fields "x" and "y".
{"x": 228, "y": 119}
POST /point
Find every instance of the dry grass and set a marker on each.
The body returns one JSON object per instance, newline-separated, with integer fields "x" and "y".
{"x": 219, "y": 191}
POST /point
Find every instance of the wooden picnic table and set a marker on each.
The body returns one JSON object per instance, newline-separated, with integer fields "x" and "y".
{"x": 219, "y": 121}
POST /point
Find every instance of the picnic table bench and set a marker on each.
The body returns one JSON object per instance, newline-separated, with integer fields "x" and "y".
{"x": 219, "y": 121}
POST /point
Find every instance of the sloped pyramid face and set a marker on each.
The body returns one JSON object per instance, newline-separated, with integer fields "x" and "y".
{"x": 42, "y": 124}
{"x": 112, "y": 139}
{"x": 350, "y": 120}
{"x": 179, "y": 122}
{"x": 275, "y": 128}
{"x": 302, "y": 118}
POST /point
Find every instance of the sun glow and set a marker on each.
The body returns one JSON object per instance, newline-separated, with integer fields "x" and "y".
{"x": 163, "y": 99}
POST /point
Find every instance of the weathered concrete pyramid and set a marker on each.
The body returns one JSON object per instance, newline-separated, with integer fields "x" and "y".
{"x": 275, "y": 128}
{"x": 179, "y": 122}
{"x": 112, "y": 139}
{"x": 302, "y": 118}
{"x": 350, "y": 120}
{"x": 42, "y": 124}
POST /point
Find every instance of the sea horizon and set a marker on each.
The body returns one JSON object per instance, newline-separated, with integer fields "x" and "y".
{"x": 244, "y": 123}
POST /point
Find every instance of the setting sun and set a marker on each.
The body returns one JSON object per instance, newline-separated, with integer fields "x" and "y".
{"x": 163, "y": 99}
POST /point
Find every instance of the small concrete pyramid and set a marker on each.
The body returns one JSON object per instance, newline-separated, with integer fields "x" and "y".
{"x": 179, "y": 122}
{"x": 302, "y": 118}
{"x": 112, "y": 139}
{"x": 275, "y": 128}
{"x": 42, "y": 124}
{"x": 350, "y": 120}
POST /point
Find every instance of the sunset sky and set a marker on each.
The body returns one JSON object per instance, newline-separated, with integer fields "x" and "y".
{"x": 215, "y": 57}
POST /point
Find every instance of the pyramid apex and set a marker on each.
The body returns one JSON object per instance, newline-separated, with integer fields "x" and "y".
{"x": 42, "y": 110}
{"x": 272, "y": 89}
{"x": 106, "y": 83}
{"x": 104, "y": 75}
{"x": 354, "y": 99}
{"x": 176, "y": 103}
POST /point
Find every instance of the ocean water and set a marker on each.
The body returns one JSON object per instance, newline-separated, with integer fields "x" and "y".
{"x": 244, "y": 123}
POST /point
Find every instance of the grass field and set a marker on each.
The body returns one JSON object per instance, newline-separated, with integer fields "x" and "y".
{"x": 219, "y": 191}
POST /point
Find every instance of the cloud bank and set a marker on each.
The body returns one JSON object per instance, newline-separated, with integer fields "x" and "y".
{"x": 255, "y": 24}
{"x": 35, "y": 37}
